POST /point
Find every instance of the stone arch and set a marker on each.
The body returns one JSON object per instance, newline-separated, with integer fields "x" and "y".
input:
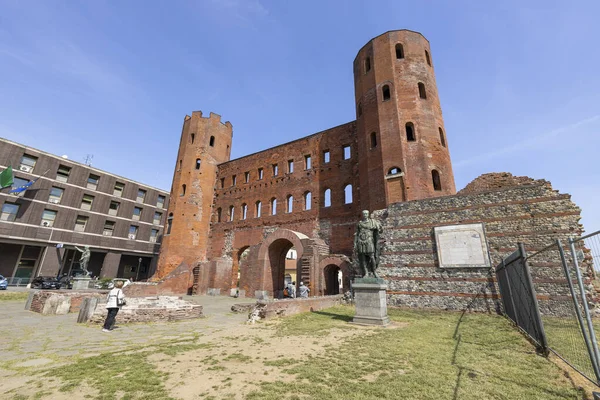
{"x": 331, "y": 265}
{"x": 271, "y": 256}
{"x": 236, "y": 270}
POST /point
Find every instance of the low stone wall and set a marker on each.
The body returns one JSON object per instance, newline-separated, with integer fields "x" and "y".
{"x": 143, "y": 309}
{"x": 49, "y": 302}
{"x": 282, "y": 308}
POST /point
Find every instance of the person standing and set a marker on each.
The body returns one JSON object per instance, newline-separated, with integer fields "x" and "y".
{"x": 114, "y": 301}
{"x": 303, "y": 290}
{"x": 292, "y": 289}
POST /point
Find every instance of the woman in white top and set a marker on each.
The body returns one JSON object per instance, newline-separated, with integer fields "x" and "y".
{"x": 115, "y": 299}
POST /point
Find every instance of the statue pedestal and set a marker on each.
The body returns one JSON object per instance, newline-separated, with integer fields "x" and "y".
{"x": 370, "y": 301}
{"x": 81, "y": 282}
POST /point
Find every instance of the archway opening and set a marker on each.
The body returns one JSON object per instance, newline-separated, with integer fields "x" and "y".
{"x": 239, "y": 264}
{"x": 284, "y": 261}
{"x": 333, "y": 280}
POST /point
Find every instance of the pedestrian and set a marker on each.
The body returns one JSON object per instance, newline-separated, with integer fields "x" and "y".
{"x": 303, "y": 290}
{"x": 114, "y": 301}
{"x": 292, "y": 289}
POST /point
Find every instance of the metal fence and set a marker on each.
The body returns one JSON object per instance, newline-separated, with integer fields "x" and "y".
{"x": 13, "y": 281}
{"x": 556, "y": 300}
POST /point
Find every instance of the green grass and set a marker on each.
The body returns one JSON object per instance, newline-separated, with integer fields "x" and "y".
{"x": 13, "y": 296}
{"x": 436, "y": 356}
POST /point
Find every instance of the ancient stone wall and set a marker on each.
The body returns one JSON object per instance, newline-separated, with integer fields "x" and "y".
{"x": 533, "y": 214}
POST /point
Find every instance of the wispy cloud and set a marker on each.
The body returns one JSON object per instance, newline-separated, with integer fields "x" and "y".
{"x": 532, "y": 142}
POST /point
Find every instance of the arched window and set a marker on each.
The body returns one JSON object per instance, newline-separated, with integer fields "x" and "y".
{"x": 373, "y": 140}
{"x": 422, "y": 93}
{"x": 169, "y": 223}
{"x": 435, "y": 176}
{"x": 212, "y": 141}
{"x": 258, "y": 209}
{"x": 273, "y": 206}
{"x": 394, "y": 171}
{"x": 367, "y": 64}
{"x": 442, "y": 138}
{"x": 198, "y": 161}
{"x": 348, "y": 194}
{"x": 290, "y": 203}
{"x": 427, "y": 58}
{"x": 399, "y": 51}
{"x": 327, "y": 198}
{"x": 307, "y": 200}
{"x": 231, "y": 213}
{"x": 410, "y": 132}
{"x": 219, "y": 214}
{"x": 359, "y": 109}
{"x": 193, "y": 136}
{"x": 183, "y": 187}
{"x": 244, "y": 210}
{"x": 386, "y": 92}
{"x": 179, "y": 165}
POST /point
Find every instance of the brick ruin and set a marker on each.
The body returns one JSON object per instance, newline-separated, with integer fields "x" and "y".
{"x": 231, "y": 222}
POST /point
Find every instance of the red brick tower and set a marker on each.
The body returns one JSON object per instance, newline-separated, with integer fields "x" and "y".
{"x": 402, "y": 147}
{"x": 205, "y": 143}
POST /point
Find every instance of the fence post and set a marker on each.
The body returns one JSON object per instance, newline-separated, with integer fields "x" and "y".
{"x": 578, "y": 310}
{"x": 585, "y": 307}
{"x": 536, "y": 306}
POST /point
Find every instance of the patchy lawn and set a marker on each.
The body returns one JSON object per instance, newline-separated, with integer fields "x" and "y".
{"x": 6, "y": 295}
{"x": 423, "y": 355}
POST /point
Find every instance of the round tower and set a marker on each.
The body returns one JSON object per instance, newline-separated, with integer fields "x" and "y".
{"x": 205, "y": 143}
{"x": 402, "y": 146}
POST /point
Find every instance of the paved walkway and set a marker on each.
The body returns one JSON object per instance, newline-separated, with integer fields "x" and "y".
{"x": 27, "y": 336}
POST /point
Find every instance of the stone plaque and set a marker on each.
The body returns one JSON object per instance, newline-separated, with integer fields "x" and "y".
{"x": 462, "y": 246}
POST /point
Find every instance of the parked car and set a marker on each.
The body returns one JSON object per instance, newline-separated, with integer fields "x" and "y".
{"x": 45, "y": 282}
{"x": 66, "y": 282}
{"x": 3, "y": 283}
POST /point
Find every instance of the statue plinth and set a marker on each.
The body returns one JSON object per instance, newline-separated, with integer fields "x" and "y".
{"x": 81, "y": 282}
{"x": 371, "y": 301}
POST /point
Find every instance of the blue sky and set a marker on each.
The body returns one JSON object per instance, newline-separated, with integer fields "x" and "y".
{"x": 519, "y": 81}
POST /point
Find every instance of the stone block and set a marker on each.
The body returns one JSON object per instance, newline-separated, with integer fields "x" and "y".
{"x": 371, "y": 304}
{"x": 81, "y": 282}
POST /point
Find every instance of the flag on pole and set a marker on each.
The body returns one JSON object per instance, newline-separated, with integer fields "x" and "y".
{"x": 6, "y": 177}
{"x": 21, "y": 189}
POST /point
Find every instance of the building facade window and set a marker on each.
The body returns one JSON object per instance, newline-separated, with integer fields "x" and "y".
{"x": 113, "y": 208}
{"x": 92, "y": 182}
{"x": 327, "y": 198}
{"x": 373, "y": 140}
{"x": 422, "y": 93}
{"x": 219, "y": 212}
{"x": 290, "y": 164}
{"x": 246, "y": 176}
{"x": 109, "y": 228}
{"x": 244, "y": 211}
{"x": 275, "y": 169}
{"x": 348, "y": 194}
{"x": 347, "y": 152}
{"x": 307, "y": 162}
{"x": 273, "y": 206}
{"x": 157, "y": 218}
{"x": 193, "y": 137}
{"x": 231, "y": 213}
{"x": 410, "y": 132}
{"x": 222, "y": 183}
{"x": 394, "y": 171}
{"x": 367, "y": 64}
{"x": 427, "y": 58}
{"x": 307, "y": 200}
{"x": 137, "y": 214}
{"x": 133, "y": 231}
{"x": 359, "y": 110}
{"x": 48, "y": 217}
{"x": 141, "y": 196}
{"x": 160, "y": 201}
{"x": 385, "y": 91}
{"x": 27, "y": 163}
{"x": 290, "y": 204}
{"x": 9, "y": 212}
{"x": 258, "y": 209}
{"x": 56, "y": 195}
{"x": 62, "y": 174}
{"x": 326, "y": 156}
{"x": 169, "y": 224}
{"x": 233, "y": 180}
{"x": 435, "y": 177}
{"x": 118, "y": 189}
{"x": 153, "y": 235}
{"x": 183, "y": 189}
{"x": 211, "y": 142}
{"x": 198, "y": 162}
{"x": 81, "y": 223}
{"x": 86, "y": 202}
{"x": 399, "y": 51}
{"x": 442, "y": 138}
{"x": 260, "y": 174}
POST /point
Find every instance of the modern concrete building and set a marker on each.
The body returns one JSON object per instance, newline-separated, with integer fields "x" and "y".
{"x": 72, "y": 204}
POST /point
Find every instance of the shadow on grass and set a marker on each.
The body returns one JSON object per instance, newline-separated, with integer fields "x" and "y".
{"x": 340, "y": 317}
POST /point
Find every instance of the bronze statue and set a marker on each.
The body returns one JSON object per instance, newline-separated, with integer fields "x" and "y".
{"x": 365, "y": 245}
{"x": 86, "y": 254}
